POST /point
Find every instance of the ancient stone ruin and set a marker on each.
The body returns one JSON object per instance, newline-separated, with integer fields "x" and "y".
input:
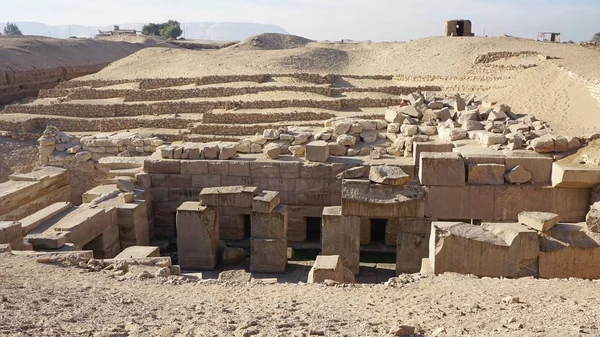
{"x": 447, "y": 183}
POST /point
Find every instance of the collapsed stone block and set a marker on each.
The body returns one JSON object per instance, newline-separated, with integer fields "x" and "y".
{"x": 138, "y": 252}
{"x": 228, "y": 196}
{"x": 517, "y": 175}
{"x": 572, "y": 176}
{"x": 442, "y": 169}
{"x": 326, "y": 267}
{"x": 268, "y": 255}
{"x": 570, "y": 250}
{"x": 592, "y": 219}
{"x": 540, "y": 221}
{"x": 340, "y": 235}
{"x": 197, "y": 236}
{"x": 486, "y": 174}
{"x": 270, "y": 225}
{"x": 494, "y": 250}
{"x": 11, "y": 233}
{"x": 388, "y": 175}
{"x": 363, "y": 199}
{"x": 317, "y": 151}
{"x": 265, "y": 201}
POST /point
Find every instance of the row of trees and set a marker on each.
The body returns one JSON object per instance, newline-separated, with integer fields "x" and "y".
{"x": 169, "y": 29}
{"x": 11, "y": 29}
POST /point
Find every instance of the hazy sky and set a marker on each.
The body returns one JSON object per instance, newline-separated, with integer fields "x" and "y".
{"x": 377, "y": 20}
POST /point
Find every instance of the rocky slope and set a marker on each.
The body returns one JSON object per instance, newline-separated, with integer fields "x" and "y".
{"x": 29, "y": 63}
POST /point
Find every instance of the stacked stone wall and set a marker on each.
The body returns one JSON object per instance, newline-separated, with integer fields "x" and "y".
{"x": 271, "y": 117}
{"x": 495, "y": 56}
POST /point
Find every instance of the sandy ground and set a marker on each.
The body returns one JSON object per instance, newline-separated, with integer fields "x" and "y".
{"x": 70, "y": 302}
{"x": 546, "y": 91}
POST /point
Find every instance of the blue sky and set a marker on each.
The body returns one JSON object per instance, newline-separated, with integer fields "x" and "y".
{"x": 377, "y": 20}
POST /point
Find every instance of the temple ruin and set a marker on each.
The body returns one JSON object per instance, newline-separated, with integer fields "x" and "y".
{"x": 448, "y": 183}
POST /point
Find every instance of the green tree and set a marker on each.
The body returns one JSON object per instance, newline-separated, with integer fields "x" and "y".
{"x": 169, "y": 29}
{"x": 12, "y": 29}
{"x": 596, "y": 37}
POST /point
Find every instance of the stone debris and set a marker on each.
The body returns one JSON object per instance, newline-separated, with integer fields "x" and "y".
{"x": 518, "y": 175}
{"x": 540, "y": 221}
{"x": 388, "y": 175}
{"x": 327, "y": 267}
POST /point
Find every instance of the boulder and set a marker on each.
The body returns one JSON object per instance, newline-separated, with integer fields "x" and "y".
{"x": 297, "y": 151}
{"x": 518, "y": 175}
{"x": 271, "y": 134}
{"x": 592, "y": 219}
{"x": 369, "y": 136}
{"x": 341, "y": 127}
{"x": 543, "y": 144}
{"x": 228, "y": 151}
{"x": 393, "y": 128}
{"x": 346, "y": 140}
{"x": 394, "y": 116}
{"x": 388, "y": 175}
{"x": 272, "y": 151}
{"x": 326, "y": 267}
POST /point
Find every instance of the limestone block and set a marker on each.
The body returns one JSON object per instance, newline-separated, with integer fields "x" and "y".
{"x": 161, "y": 166}
{"x": 336, "y": 150}
{"x": 138, "y": 252}
{"x": 361, "y": 198}
{"x": 272, "y": 151}
{"x": 517, "y": 175}
{"x": 541, "y": 221}
{"x": 486, "y": 174}
{"x": 346, "y": 140}
{"x": 227, "y": 152}
{"x": 271, "y": 225}
{"x": 197, "y": 236}
{"x": 543, "y": 144}
{"x": 570, "y": 250}
{"x": 268, "y": 255}
{"x": 326, "y": 267}
{"x": 592, "y": 220}
{"x": 490, "y": 138}
{"x": 442, "y": 169}
{"x": 340, "y": 235}
{"x": 354, "y": 173}
{"x": 228, "y": 196}
{"x": 539, "y": 166}
{"x": 452, "y": 134}
{"x": 317, "y": 151}
{"x": 36, "y": 219}
{"x": 411, "y": 248}
{"x": 582, "y": 176}
{"x": 265, "y": 201}
{"x": 211, "y": 151}
{"x": 11, "y": 233}
{"x": 493, "y": 250}
{"x": 411, "y": 111}
{"x": 422, "y": 147}
{"x": 388, "y": 175}
{"x": 369, "y": 136}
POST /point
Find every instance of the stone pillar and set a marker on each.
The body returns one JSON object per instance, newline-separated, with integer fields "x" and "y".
{"x": 197, "y": 236}
{"x": 340, "y": 235}
{"x": 268, "y": 242}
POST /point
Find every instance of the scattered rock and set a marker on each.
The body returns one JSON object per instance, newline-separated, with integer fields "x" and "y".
{"x": 518, "y": 175}
{"x": 388, "y": 175}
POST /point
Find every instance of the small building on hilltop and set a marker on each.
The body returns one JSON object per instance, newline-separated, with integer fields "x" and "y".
{"x": 116, "y": 31}
{"x": 459, "y": 28}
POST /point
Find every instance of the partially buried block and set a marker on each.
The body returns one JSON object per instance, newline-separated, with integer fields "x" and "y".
{"x": 197, "y": 236}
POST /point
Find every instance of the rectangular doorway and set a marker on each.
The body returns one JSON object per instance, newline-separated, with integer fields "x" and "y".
{"x": 313, "y": 229}
{"x": 460, "y": 28}
{"x": 247, "y": 227}
{"x": 378, "y": 230}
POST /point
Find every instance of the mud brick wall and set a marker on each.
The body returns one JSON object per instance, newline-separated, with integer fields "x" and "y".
{"x": 271, "y": 117}
{"x": 495, "y": 56}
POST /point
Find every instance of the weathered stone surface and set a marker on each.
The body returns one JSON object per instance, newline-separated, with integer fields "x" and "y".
{"x": 265, "y": 201}
{"x": 570, "y": 250}
{"x": 493, "y": 249}
{"x": 231, "y": 255}
{"x": 364, "y": 199}
{"x": 272, "y": 151}
{"x": 388, "y": 175}
{"x": 452, "y": 134}
{"x": 346, "y": 140}
{"x": 592, "y": 219}
{"x": 422, "y": 147}
{"x": 543, "y": 144}
{"x": 326, "y": 267}
{"x": 517, "y": 175}
{"x": 228, "y": 196}
{"x": 227, "y": 152}
{"x": 442, "y": 169}
{"x": 162, "y": 166}
{"x": 272, "y": 225}
{"x": 411, "y": 111}
{"x": 541, "y": 221}
{"x": 490, "y": 138}
{"x": 369, "y": 136}
{"x": 197, "y": 236}
{"x": 297, "y": 151}
{"x": 570, "y": 175}
{"x": 317, "y": 151}
{"x": 340, "y": 235}
{"x": 392, "y": 115}
{"x": 268, "y": 255}
{"x": 486, "y": 174}
{"x": 336, "y": 150}
{"x": 411, "y": 248}
{"x": 540, "y": 166}
{"x": 138, "y": 252}
{"x": 354, "y": 173}
{"x": 211, "y": 151}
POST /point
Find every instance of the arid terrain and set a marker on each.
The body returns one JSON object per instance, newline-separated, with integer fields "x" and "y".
{"x": 69, "y": 302}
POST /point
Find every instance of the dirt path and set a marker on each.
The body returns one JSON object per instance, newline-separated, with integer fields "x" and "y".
{"x": 46, "y": 300}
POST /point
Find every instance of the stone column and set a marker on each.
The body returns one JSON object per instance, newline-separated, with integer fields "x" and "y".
{"x": 340, "y": 235}
{"x": 197, "y": 236}
{"x": 268, "y": 242}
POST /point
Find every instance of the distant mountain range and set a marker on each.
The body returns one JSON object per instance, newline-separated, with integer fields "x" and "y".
{"x": 223, "y": 31}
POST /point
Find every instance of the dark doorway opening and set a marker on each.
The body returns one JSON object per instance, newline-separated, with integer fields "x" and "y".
{"x": 313, "y": 229}
{"x": 247, "y": 227}
{"x": 460, "y": 28}
{"x": 378, "y": 228}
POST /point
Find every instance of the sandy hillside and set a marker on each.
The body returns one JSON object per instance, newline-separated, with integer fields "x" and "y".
{"x": 563, "y": 90}
{"x": 38, "y": 52}
{"x": 68, "y": 302}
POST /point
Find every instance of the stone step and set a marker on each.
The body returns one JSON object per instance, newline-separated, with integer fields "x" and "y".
{"x": 31, "y": 222}
{"x": 107, "y": 164}
{"x": 124, "y": 172}
{"x": 246, "y": 129}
